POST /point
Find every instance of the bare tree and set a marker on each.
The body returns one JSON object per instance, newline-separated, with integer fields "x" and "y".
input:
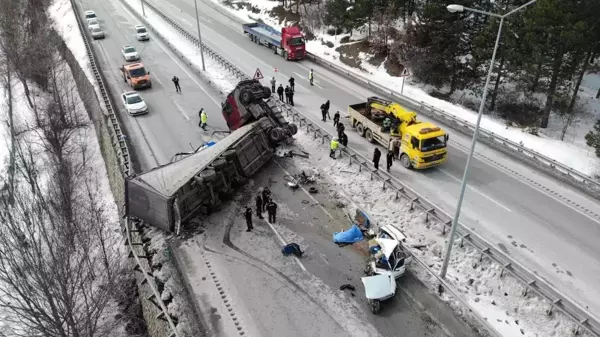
{"x": 59, "y": 255}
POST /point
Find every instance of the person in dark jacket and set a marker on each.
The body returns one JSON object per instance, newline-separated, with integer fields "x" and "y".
{"x": 266, "y": 195}
{"x": 288, "y": 91}
{"x": 292, "y": 97}
{"x": 292, "y": 84}
{"x": 323, "y": 113}
{"x": 344, "y": 140}
{"x": 376, "y": 157}
{"x": 336, "y": 118}
{"x": 272, "y": 210}
{"x": 327, "y": 105}
{"x": 280, "y": 92}
{"x": 176, "y": 82}
{"x": 248, "y": 216}
{"x": 259, "y": 206}
{"x": 273, "y": 84}
{"x": 340, "y": 129}
{"x": 389, "y": 159}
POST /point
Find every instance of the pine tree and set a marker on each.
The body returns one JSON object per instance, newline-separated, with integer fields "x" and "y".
{"x": 593, "y": 138}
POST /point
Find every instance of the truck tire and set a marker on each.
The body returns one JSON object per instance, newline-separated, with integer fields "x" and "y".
{"x": 285, "y": 55}
{"x": 246, "y": 96}
{"x": 275, "y": 135}
{"x": 219, "y": 163}
{"x": 369, "y": 135}
{"x": 405, "y": 161}
{"x": 230, "y": 154}
{"x": 293, "y": 128}
{"x": 360, "y": 129}
{"x": 208, "y": 175}
{"x": 266, "y": 92}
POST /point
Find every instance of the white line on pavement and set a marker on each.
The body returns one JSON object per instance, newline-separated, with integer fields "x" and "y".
{"x": 217, "y": 103}
{"x": 181, "y": 110}
{"x": 285, "y": 243}
{"x": 476, "y": 190}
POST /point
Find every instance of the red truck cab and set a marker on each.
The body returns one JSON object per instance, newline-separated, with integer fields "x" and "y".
{"x": 292, "y": 42}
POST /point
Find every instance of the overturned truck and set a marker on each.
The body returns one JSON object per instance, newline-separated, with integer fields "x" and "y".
{"x": 170, "y": 195}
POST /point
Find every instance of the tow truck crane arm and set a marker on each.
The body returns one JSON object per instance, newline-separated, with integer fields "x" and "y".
{"x": 391, "y": 108}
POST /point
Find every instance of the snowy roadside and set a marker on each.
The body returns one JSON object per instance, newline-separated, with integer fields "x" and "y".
{"x": 508, "y": 314}
{"x": 573, "y": 152}
{"x": 65, "y": 23}
{"x": 498, "y": 300}
{"x": 90, "y": 175}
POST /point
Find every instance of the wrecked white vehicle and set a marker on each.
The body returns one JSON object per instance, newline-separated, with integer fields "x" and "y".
{"x": 387, "y": 255}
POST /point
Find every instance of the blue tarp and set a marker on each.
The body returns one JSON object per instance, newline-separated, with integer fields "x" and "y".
{"x": 352, "y": 235}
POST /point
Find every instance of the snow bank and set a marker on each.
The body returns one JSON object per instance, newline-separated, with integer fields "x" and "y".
{"x": 498, "y": 299}
{"x": 575, "y": 153}
{"x": 65, "y": 23}
{"x": 217, "y": 75}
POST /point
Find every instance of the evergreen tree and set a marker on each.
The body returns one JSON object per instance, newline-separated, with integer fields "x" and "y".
{"x": 593, "y": 138}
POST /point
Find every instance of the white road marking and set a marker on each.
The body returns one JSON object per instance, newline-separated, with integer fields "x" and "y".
{"x": 217, "y": 103}
{"x": 285, "y": 243}
{"x": 303, "y": 77}
{"x": 181, "y": 110}
{"x": 475, "y": 190}
{"x": 159, "y": 81}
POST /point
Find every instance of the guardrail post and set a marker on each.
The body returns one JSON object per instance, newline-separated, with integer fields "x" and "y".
{"x": 350, "y": 160}
{"x": 504, "y": 267}
{"x": 549, "y": 310}
{"x": 579, "y": 324}
{"x": 398, "y": 192}
{"x": 529, "y": 284}
{"x": 446, "y": 225}
{"x": 462, "y": 240}
{"x": 483, "y": 252}
{"x": 412, "y": 203}
{"x": 371, "y": 174}
{"x": 429, "y": 211}
{"x": 386, "y": 181}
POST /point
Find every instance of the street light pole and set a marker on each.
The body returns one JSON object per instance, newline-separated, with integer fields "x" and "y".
{"x": 199, "y": 36}
{"x": 463, "y": 186}
{"x": 143, "y": 10}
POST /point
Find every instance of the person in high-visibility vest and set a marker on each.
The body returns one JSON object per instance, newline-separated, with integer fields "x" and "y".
{"x": 311, "y": 77}
{"x": 203, "y": 119}
{"x": 333, "y": 147}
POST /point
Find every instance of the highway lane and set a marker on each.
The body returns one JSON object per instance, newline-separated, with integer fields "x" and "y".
{"x": 171, "y": 125}
{"x": 547, "y": 233}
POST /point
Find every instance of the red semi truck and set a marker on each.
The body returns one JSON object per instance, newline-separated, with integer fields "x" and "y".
{"x": 289, "y": 42}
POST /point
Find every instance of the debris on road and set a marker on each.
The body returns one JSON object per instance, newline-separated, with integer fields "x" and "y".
{"x": 292, "y": 249}
{"x": 313, "y": 190}
{"x": 351, "y": 235}
{"x": 347, "y": 286}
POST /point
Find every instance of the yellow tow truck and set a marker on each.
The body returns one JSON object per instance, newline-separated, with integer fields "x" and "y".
{"x": 417, "y": 144}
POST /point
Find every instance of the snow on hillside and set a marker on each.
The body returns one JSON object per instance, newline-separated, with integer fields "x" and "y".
{"x": 572, "y": 152}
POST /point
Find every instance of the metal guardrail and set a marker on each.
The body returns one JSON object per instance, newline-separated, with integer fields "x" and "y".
{"x": 122, "y": 150}
{"x": 578, "y": 179}
{"x": 584, "y": 321}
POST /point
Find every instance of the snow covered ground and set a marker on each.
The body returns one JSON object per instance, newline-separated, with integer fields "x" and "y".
{"x": 498, "y": 300}
{"x": 572, "y": 152}
{"x": 83, "y": 149}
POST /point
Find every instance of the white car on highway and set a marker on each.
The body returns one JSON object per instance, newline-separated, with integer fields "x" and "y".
{"x": 141, "y": 33}
{"x": 130, "y": 54}
{"x": 97, "y": 33}
{"x": 134, "y": 103}
{"x": 90, "y": 15}
{"x": 93, "y": 23}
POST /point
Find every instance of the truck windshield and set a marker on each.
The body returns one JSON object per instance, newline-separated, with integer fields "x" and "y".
{"x": 296, "y": 41}
{"x": 431, "y": 144}
{"x": 137, "y": 72}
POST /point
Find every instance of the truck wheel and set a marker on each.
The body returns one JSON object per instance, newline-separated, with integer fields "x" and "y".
{"x": 208, "y": 175}
{"x": 275, "y": 135}
{"x": 360, "y": 129}
{"x": 293, "y": 128}
{"x": 266, "y": 92}
{"x": 246, "y": 97}
{"x": 369, "y": 135}
{"x": 124, "y": 79}
{"x": 285, "y": 55}
{"x": 405, "y": 161}
{"x": 230, "y": 154}
{"x": 219, "y": 163}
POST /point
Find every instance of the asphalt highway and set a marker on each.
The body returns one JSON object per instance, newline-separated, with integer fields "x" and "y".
{"x": 544, "y": 224}
{"x": 171, "y": 125}
{"x": 263, "y": 300}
